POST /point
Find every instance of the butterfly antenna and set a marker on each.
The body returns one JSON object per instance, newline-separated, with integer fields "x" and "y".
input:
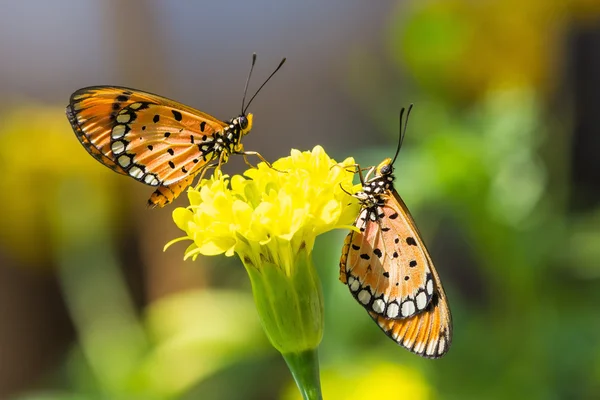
{"x": 248, "y": 80}
{"x": 261, "y": 86}
{"x": 403, "y": 131}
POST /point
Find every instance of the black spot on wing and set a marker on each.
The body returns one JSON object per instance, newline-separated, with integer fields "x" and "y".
{"x": 176, "y": 115}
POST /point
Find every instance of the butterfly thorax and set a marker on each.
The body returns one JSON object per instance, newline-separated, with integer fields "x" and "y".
{"x": 229, "y": 139}
{"x": 376, "y": 189}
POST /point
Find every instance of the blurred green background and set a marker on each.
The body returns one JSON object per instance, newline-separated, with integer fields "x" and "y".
{"x": 500, "y": 168}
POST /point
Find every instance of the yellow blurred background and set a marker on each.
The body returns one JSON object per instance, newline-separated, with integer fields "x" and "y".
{"x": 500, "y": 168}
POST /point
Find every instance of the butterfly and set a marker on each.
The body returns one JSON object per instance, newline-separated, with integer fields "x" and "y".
{"x": 389, "y": 270}
{"x": 155, "y": 140}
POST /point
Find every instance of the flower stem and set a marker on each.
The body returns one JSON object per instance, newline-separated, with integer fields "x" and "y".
{"x": 304, "y": 367}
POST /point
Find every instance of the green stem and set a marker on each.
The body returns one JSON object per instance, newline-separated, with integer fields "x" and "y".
{"x": 304, "y": 367}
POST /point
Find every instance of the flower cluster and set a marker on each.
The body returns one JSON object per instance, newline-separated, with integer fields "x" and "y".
{"x": 300, "y": 197}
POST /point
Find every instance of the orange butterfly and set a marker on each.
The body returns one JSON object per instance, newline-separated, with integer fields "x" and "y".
{"x": 389, "y": 271}
{"x": 156, "y": 141}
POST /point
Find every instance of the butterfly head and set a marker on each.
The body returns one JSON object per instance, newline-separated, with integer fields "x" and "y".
{"x": 245, "y": 123}
{"x": 385, "y": 168}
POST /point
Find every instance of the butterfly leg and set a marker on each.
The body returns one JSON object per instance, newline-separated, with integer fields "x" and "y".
{"x": 260, "y": 157}
{"x": 356, "y": 169}
{"x": 345, "y": 191}
{"x": 203, "y": 172}
{"x": 346, "y": 167}
{"x": 222, "y": 160}
{"x": 364, "y": 178}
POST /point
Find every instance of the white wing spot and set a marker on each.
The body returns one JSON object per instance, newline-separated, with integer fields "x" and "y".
{"x": 117, "y": 147}
{"x": 118, "y": 131}
{"x": 123, "y": 118}
{"x": 355, "y": 285}
{"x": 136, "y": 172}
{"x": 378, "y": 306}
{"x": 124, "y": 161}
{"x": 364, "y": 296}
{"x": 429, "y": 287}
{"x": 408, "y": 308}
{"x": 392, "y": 311}
{"x": 135, "y": 106}
{"x": 151, "y": 180}
{"x": 421, "y": 300}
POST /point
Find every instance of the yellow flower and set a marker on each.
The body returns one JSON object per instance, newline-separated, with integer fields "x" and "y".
{"x": 270, "y": 218}
{"x": 266, "y": 208}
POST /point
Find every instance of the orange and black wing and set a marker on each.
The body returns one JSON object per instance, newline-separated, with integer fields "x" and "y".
{"x": 389, "y": 271}
{"x": 154, "y": 140}
{"x": 385, "y": 264}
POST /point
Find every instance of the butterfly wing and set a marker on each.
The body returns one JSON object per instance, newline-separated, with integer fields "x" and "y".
{"x": 428, "y": 333}
{"x": 385, "y": 264}
{"x": 163, "y": 195}
{"x": 389, "y": 271}
{"x": 90, "y": 148}
{"x": 157, "y": 141}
